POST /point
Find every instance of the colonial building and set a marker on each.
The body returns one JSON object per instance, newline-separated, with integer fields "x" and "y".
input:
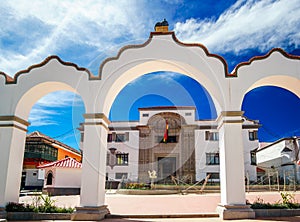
{"x": 280, "y": 159}
{"x": 62, "y": 177}
{"x": 172, "y": 142}
{"x": 42, "y": 149}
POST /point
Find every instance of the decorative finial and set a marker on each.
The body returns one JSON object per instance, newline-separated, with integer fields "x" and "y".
{"x": 162, "y": 26}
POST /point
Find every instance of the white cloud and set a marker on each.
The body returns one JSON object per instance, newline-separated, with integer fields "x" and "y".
{"x": 39, "y": 116}
{"x": 60, "y": 99}
{"x": 98, "y": 24}
{"x": 43, "y": 112}
{"x": 245, "y": 25}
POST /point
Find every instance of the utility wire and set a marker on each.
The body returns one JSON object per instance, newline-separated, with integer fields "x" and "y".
{"x": 63, "y": 134}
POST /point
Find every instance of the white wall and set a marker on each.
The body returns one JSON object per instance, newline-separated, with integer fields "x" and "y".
{"x": 68, "y": 177}
{"x": 202, "y": 147}
{"x": 32, "y": 178}
{"x": 190, "y": 119}
{"x": 248, "y": 147}
{"x": 64, "y": 177}
{"x": 131, "y": 147}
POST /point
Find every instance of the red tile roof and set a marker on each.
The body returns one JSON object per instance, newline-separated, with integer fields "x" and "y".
{"x": 65, "y": 163}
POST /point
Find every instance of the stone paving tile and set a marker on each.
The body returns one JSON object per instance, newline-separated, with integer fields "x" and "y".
{"x": 281, "y": 219}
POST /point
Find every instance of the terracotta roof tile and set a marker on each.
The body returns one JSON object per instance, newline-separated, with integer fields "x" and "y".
{"x": 64, "y": 163}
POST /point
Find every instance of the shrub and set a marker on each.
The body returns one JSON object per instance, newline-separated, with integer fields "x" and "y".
{"x": 287, "y": 202}
{"x": 18, "y": 207}
{"x": 136, "y": 186}
{"x": 41, "y": 204}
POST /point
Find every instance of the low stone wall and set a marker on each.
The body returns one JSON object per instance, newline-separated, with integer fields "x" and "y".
{"x": 276, "y": 212}
{"x": 57, "y": 191}
{"x": 13, "y": 216}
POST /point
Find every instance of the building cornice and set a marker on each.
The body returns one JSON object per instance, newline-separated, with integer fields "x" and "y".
{"x": 167, "y": 108}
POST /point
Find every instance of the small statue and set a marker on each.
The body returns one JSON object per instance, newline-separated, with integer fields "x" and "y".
{"x": 152, "y": 176}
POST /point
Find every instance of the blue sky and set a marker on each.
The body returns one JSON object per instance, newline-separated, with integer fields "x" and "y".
{"x": 87, "y": 32}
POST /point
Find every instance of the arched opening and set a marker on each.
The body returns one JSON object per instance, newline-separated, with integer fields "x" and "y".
{"x": 162, "y": 89}
{"x": 117, "y": 81}
{"x": 277, "y": 110}
{"x": 49, "y": 179}
{"x": 143, "y": 110}
{"x": 54, "y": 111}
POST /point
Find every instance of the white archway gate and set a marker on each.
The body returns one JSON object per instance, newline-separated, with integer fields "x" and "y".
{"x": 162, "y": 52}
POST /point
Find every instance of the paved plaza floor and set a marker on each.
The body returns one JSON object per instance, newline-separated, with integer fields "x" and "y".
{"x": 147, "y": 206}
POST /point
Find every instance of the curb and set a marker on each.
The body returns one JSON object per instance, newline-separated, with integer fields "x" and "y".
{"x": 203, "y": 215}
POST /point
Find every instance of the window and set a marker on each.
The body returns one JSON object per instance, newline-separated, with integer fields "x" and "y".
{"x": 212, "y": 136}
{"x": 212, "y": 159}
{"x": 109, "y": 137}
{"x": 253, "y": 135}
{"x": 253, "y": 157}
{"x": 81, "y": 137}
{"x": 34, "y": 174}
{"x": 120, "y": 137}
{"x": 120, "y": 176}
{"x": 122, "y": 159}
{"x": 107, "y": 159}
{"x": 38, "y": 149}
{"x": 145, "y": 114}
{"x": 170, "y": 139}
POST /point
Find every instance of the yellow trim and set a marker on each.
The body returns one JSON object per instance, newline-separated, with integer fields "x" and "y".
{"x": 14, "y": 125}
{"x": 232, "y": 113}
{"x": 14, "y": 118}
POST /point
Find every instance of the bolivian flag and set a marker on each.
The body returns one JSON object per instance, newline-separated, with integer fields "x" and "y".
{"x": 166, "y": 132}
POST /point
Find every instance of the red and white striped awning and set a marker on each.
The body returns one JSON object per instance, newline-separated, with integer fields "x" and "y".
{"x": 65, "y": 163}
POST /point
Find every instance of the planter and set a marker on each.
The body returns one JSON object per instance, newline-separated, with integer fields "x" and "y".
{"x": 276, "y": 212}
{"x": 37, "y": 216}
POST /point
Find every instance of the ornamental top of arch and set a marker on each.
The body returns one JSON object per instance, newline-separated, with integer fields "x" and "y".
{"x": 14, "y": 79}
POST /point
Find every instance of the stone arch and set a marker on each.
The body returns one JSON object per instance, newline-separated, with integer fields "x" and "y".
{"x": 192, "y": 60}
{"x": 167, "y": 115}
{"x": 282, "y": 81}
{"x": 18, "y": 95}
{"x": 157, "y": 123}
{"x": 277, "y": 68}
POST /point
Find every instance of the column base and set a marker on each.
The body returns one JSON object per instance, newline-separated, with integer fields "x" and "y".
{"x": 3, "y": 214}
{"x": 90, "y": 213}
{"x": 231, "y": 212}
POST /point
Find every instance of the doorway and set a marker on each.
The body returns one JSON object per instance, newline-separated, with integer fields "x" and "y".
{"x": 166, "y": 168}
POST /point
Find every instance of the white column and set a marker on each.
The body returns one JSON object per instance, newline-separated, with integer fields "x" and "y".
{"x": 92, "y": 195}
{"x": 232, "y": 178}
{"x": 12, "y": 142}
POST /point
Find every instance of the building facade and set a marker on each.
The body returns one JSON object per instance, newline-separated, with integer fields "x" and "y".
{"x": 190, "y": 151}
{"x": 62, "y": 177}
{"x": 41, "y": 149}
{"x": 279, "y": 160}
